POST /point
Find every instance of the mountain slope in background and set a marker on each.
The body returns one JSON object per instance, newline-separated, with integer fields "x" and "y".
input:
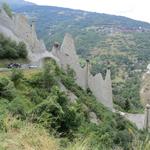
{"x": 16, "y": 3}
{"x": 52, "y": 21}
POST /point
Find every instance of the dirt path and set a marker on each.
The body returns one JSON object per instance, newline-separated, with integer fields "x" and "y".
{"x": 145, "y": 89}
{"x": 138, "y": 119}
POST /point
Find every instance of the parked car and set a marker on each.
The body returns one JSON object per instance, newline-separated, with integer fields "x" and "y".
{"x": 32, "y": 66}
{"x": 14, "y": 65}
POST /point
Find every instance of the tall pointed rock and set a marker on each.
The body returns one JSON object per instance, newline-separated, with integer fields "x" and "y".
{"x": 68, "y": 46}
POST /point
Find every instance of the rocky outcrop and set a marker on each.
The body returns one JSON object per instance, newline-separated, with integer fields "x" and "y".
{"x": 93, "y": 118}
{"x": 66, "y": 53}
{"x": 18, "y": 28}
{"x": 69, "y": 94}
{"x": 142, "y": 121}
{"x": 101, "y": 88}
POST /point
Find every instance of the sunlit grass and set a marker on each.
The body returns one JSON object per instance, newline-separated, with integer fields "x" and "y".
{"x": 141, "y": 145}
{"x": 27, "y": 73}
{"x": 25, "y": 136}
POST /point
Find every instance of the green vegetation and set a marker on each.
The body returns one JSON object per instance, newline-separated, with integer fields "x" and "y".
{"x": 127, "y": 96}
{"x": 7, "y": 9}
{"x": 22, "y": 135}
{"x": 36, "y": 114}
{"x": 11, "y": 50}
{"x": 88, "y": 28}
{"x": 38, "y": 100}
{"x": 126, "y": 74}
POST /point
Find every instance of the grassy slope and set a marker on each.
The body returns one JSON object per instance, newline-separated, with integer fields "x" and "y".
{"x": 24, "y": 135}
{"x": 23, "y": 105}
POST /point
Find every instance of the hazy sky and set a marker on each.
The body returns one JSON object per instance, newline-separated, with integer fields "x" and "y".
{"x": 136, "y": 9}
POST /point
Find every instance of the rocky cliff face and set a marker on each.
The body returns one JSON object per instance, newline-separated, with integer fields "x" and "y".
{"x": 19, "y": 29}
{"x": 101, "y": 88}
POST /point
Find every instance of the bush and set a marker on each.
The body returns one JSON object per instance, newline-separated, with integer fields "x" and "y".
{"x": 46, "y": 79}
{"x": 10, "y": 49}
{"x": 22, "y": 50}
{"x": 35, "y": 97}
{"x": 54, "y": 113}
{"x": 20, "y": 106}
{"x": 16, "y": 76}
{"x": 7, "y": 89}
{"x": 123, "y": 139}
{"x": 48, "y": 113}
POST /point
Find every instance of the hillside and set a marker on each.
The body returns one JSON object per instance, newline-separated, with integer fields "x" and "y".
{"x": 53, "y": 22}
{"x": 36, "y": 98}
{"x": 119, "y": 42}
{"x": 16, "y": 3}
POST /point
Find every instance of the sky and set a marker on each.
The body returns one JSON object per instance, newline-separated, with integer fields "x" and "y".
{"x": 135, "y": 9}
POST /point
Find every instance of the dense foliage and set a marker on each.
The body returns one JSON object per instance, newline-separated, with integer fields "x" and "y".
{"x": 10, "y": 49}
{"x": 40, "y": 100}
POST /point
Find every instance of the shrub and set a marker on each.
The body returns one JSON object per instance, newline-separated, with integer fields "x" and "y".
{"x": 48, "y": 113}
{"x": 46, "y": 79}
{"x": 7, "y": 89}
{"x": 10, "y": 49}
{"x": 20, "y": 106}
{"x": 54, "y": 113}
{"x": 123, "y": 139}
{"x": 35, "y": 97}
{"x": 16, "y": 76}
{"x": 22, "y": 50}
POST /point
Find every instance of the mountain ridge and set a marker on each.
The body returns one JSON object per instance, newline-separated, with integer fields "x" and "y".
{"x": 78, "y": 11}
{"x": 16, "y": 3}
{"x": 52, "y": 21}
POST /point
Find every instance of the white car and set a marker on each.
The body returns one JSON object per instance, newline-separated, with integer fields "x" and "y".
{"x": 32, "y": 66}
